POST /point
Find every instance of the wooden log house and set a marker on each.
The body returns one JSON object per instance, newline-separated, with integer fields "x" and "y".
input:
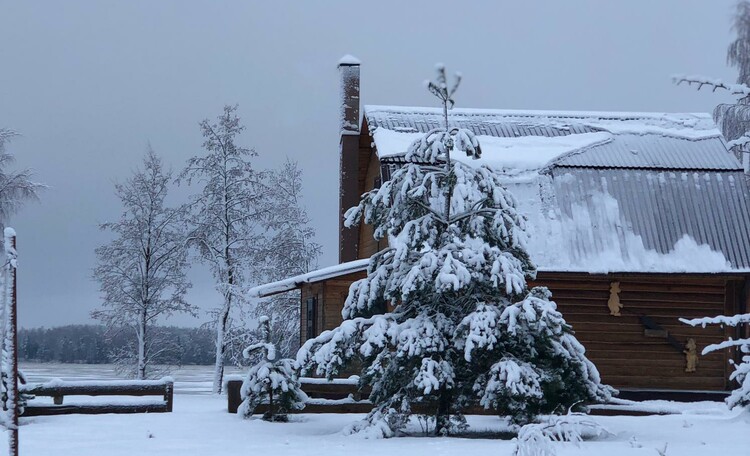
{"x": 635, "y": 220}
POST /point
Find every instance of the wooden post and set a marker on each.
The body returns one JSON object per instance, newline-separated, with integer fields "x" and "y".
{"x": 169, "y": 395}
{"x": 10, "y": 238}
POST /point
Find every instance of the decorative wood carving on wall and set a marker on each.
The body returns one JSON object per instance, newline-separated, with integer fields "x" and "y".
{"x": 691, "y": 355}
{"x": 614, "y": 303}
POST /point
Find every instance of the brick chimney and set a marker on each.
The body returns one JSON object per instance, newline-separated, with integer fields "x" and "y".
{"x": 349, "y": 154}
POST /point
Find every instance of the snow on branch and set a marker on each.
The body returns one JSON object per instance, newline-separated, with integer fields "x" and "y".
{"x": 740, "y": 90}
{"x": 729, "y": 343}
{"x": 734, "y": 320}
{"x": 740, "y": 142}
{"x": 538, "y": 439}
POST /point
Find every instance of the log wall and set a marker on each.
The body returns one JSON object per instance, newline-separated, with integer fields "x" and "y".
{"x": 619, "y": 346}
{"x": 625, "y": 356}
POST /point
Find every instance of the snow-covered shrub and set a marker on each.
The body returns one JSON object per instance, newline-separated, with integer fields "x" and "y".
{"x": 741, "y": 395}
{"x": 270, "y": 381}
{"x": 465, "y": 329}
{"x": 539, "y": 439}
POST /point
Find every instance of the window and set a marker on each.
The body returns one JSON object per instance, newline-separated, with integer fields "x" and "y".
{"x": 311, "y": 313}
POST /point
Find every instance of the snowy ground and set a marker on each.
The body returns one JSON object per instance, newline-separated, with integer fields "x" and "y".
{"x": 200, "y": 425}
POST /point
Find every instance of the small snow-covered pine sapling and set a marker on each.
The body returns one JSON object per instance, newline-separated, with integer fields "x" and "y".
{"x": 464, "y": 329}
{"x": 272, "y": 381}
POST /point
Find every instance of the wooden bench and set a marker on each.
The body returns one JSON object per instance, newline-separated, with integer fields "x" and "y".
{"x": 58, "y": 389}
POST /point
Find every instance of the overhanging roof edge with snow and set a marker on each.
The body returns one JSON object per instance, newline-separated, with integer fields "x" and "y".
{"x": 319, "y": 275}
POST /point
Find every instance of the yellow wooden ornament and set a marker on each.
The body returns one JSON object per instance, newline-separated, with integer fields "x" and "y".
{"x": 614, "y": 303}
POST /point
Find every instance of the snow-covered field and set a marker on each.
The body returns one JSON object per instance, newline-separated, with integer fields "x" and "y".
{"x": 200, "y": 425}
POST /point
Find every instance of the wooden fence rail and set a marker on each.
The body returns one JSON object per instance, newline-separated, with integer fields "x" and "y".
{"x": 59, "y": 389}
{"x": 343, "y": 396}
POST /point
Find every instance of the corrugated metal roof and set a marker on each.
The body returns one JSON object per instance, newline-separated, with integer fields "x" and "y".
{"x": 422, "y": 120}
{"x": 655, "y": 151}
{"x": 626, "y": 150}
{"x": 661, "y": 207}
{"x": 638, "y": 194}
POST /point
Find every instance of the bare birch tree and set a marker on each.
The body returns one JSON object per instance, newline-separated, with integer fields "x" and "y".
{"x": 291, "y": 251}
{"x": 142, "y": 271}
{"x": 225, "y": 218}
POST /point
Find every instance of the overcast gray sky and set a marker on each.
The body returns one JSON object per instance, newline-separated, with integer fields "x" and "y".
{"x": 89, "y": 83}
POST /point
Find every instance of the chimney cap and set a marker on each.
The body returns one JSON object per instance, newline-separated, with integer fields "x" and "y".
{"x": 349, "y": 60}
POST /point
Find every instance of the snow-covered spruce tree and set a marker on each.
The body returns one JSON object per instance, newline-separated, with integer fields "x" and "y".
{"x": 291, "y": 250}
{"x": 225, "y": 218}
{"x": 271, "y": 380}
{"x": 141, "y": 272}
{"x": 464, "y": 328}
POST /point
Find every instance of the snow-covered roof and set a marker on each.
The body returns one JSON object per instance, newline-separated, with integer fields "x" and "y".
{"x": 604, "y": 191}
{"x": 310, "y": 277}
{"x": 517, "y": 141}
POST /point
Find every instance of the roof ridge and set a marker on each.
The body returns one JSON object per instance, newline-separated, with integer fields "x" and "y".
{"x": 610, "y": 115}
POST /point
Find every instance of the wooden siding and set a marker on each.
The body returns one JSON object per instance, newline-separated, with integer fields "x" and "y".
{"x": 367, "y": 244}
{"x": 330, "y": 295}
{"x": 624, "y": 355}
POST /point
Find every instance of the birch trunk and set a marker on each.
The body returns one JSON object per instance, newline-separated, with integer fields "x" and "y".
{"x": 141, "y": 371}
{"x": 221, "y": 329}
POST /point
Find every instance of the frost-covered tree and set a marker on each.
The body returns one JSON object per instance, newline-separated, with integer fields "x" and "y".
{"x": 225, "y": 218}
{"x": 271, "y": 380}
{"x": 732, "y": 118}
{"x": 16, "y": 187}
{"x": 141, "y": 272}
{"x": 444, "y": 318}
{"x": 290, "y": 250}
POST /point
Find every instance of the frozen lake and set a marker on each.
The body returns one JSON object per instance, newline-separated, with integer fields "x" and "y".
{"x": 188, "y": 379}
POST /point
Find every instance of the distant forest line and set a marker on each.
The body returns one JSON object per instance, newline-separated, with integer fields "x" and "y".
{"x": 95, "y": 344}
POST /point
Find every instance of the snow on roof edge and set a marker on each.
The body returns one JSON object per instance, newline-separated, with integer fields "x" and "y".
{"x": 261, "y": 291}
{"x": 536, "y": 112}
